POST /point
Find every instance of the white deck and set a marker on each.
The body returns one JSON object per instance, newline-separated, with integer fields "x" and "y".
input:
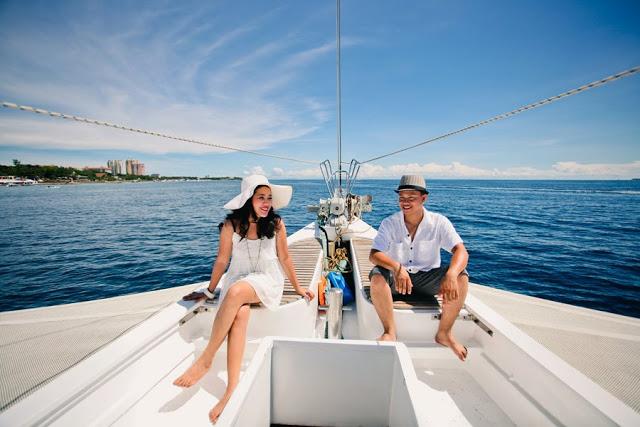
{"x": 167, "y": 405}
{"x": 444, "y": 383}
{"x": 131, "y": 378}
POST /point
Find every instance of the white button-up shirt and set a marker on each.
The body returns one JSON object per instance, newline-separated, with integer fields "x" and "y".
{"x": 434, "y": 232}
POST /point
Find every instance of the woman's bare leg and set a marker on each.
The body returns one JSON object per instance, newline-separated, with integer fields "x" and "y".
{"x": 235, "y": 350}
{"x": 239, "y": 294}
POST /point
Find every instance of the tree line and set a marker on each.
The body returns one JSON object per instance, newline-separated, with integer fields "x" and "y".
{"x": 59, "y": 173}
{"x": 53, "y": 172}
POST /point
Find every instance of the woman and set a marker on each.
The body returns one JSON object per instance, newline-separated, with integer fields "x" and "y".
{"x": 253, "y": 237}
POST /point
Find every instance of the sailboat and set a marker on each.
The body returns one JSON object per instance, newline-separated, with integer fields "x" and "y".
{"x": 293, "y": 375}
{"x": 314, "y": 365}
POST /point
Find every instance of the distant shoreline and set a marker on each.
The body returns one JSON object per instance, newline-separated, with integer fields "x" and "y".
{"x": 132, "y": 181}
{"x": 156, "y": 181}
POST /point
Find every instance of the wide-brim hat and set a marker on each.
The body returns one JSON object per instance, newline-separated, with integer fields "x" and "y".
{"x": 280, "y": 194}
{"x": 412, "y": 182}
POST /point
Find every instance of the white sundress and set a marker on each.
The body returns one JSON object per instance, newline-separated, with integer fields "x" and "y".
{"x": 255, "y": 262}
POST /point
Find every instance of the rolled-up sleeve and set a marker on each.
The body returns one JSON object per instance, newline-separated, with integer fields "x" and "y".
{"x": 449, "y": 237}
{"x": 381, "y": 241}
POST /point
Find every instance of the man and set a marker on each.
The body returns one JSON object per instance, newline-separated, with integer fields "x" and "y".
{"x": 406, "y": 255}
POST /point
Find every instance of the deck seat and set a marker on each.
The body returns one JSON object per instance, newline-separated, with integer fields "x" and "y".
{"x": 362, "y": 248}
{"x": 304, "y": 255}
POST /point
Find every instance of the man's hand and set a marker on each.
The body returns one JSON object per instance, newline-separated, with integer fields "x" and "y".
{"x": 403, "y": 281}
{"x": 449, "y": 288}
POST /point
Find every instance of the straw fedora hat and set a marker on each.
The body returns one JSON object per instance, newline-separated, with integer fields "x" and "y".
{"x": 412, "y": 182}
{"x": 281, "y": 194}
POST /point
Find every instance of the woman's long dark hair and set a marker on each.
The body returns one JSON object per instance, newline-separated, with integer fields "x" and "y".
{"x": 240, "y": 220}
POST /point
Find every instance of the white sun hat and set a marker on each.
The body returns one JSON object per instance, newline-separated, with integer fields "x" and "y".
{"x": 280, "y": 194}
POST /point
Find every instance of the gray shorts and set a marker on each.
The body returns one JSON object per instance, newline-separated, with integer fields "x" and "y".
{"x": 424, "y": 282}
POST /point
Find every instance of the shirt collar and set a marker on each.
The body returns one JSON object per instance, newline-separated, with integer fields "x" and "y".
{"x": 423, "y": 224}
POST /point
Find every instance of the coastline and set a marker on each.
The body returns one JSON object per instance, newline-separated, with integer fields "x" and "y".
{"x": 129, "y": 181}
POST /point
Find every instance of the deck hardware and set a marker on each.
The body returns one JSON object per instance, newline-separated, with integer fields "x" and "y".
{"x": 192, "y": 314}
{"x": 468, "y": 317}
{"x": 482, "y": 325}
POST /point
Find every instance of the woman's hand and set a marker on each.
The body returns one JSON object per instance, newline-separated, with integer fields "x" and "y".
{"x": 306, "y": 293}
{"x": 194, "y": 296}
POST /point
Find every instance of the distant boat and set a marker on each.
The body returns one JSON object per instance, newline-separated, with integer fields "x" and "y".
{"x": 12, "y": 181}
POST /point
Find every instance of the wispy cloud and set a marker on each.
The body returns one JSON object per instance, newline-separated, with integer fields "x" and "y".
{"x": 204, "y": 54}
{"x": 309, "y": 55}
{"x": 154, "y": 80}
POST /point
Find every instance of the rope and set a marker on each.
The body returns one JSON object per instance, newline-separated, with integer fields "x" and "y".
{"x": 146, "y": 132}
{"x": 591, "y": 85}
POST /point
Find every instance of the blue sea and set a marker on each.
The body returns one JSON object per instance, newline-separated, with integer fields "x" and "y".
{"x": 576, "y": 242}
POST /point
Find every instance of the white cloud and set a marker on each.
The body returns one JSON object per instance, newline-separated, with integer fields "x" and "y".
{"x": 559, "y": 170}
{"x": 621, "y": 170}
{"x": 255, "y": 170}
{"x": 278, "y": 171}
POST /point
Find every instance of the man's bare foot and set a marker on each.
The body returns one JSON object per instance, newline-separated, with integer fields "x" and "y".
{"x": 194, "y": 373}
{"x": 447, "y": 340}
{"x": 214, "y": 413}
{"x": 386, "y": 337}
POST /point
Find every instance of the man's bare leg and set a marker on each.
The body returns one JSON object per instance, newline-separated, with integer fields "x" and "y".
{"x": 383, "y": 303}
{"x": 450, "y": 312}
{"x": 239, "y": 294}
{"x": 235, "y": 350}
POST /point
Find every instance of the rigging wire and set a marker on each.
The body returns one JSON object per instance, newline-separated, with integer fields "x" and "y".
{"x": 537, "y": 104}
{"x": 14, "y": 106}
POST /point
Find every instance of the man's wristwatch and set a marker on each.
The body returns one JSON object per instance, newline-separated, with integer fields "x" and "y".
{"x": 208, "y": 293}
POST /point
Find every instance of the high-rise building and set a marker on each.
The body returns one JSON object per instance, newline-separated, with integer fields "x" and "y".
{"x": 134, "y": 167}
{"x": 115, "y": 166}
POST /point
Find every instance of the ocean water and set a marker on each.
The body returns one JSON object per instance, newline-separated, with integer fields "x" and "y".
{"x": 576, "y": 242}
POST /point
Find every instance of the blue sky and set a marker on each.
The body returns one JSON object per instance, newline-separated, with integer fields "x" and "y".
{"x": 260, "y": 75}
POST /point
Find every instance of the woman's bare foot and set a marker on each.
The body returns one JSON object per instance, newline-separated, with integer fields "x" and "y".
{"x": 386, "y": 337}
{"x": 447, "y": 340}
{"x": 214, "y": 413}
{"x": 194, "y": 373}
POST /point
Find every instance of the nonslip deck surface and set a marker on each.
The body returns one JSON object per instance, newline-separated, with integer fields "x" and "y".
{"x": 603, "y": 346}
{"x": 72, "y": 332}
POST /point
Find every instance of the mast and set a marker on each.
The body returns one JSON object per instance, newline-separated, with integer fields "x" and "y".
{"x": 338, "y": 98}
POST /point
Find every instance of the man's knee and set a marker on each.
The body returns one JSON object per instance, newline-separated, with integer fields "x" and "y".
{"x": 463, "y": 280}
{"x": 378, "y": 282}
